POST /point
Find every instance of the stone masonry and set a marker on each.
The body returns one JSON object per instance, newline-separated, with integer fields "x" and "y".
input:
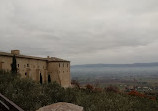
{"x": 38, "y": 68}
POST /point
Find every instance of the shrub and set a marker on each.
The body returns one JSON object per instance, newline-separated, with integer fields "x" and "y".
{"x": 75, "y": 83}
{"x": 112, "y": 89}
{"x": 89, "y": 87}
{"x": 30, "y": 96}
{"x": 98, "y": 90}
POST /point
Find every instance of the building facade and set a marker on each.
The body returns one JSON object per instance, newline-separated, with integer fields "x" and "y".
{"x": 37, "y": 68}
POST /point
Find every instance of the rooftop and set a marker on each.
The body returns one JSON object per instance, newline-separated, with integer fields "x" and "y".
{"x": 18, "y": 55}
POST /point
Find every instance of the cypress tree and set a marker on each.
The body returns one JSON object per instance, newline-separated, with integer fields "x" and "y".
{"x": 40, "y": 78}
{"x": 13, "y": 65}
{"x": 49, "y": 79}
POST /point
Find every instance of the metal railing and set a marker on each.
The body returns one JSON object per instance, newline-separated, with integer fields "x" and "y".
{"x": 7, "y": 105}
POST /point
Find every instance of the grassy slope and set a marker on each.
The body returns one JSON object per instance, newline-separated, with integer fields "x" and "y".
{"x": 31, "y": 96}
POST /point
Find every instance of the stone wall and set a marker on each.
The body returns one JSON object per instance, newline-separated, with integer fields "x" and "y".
{"x": 6, "y": 62}
{"x": 64, "y": 70}
{"x": 59, "y": 71}
{"x": 31, "y": 68}
{"x": 26, "y": 67}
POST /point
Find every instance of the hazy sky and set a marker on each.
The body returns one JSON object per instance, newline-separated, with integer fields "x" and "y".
{"x": 82, "y": 31}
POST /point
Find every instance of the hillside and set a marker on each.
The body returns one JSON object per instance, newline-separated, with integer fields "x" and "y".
{"x": 117, "y": 65}
{"x": 30, "y": 96}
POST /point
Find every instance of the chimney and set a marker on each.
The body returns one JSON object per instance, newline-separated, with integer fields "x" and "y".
{"x": 15, "y": 52}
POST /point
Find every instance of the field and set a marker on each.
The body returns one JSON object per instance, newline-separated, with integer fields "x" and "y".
{"x": 144, "y": 79}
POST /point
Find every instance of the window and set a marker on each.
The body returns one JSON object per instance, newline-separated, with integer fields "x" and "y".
{"x": 59, "y": 64}
{"x": 67, "y": 65}
{"x": 18, "y": 65}
{"x": 63, "y": 71}
{"x": 27, "y": 65}
{"x": 25, "y": 73}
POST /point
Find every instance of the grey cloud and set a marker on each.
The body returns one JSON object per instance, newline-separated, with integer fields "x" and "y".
{"x": 83, "y": 31}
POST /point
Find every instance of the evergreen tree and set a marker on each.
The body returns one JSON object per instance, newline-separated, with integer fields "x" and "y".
{"x": 13, "y": 65}
{"x": 40, "y": 78}
{"x": 49, "y": 79}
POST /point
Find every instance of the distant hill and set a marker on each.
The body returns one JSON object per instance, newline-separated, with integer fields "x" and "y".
{"x": 117, "y": 65}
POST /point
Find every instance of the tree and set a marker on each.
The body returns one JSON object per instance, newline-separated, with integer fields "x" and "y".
{"x": 75, "y": 83}
{"x": 49, "y": 79}
{"x": 40, "y": 78}
{"x": 13, "y": 65}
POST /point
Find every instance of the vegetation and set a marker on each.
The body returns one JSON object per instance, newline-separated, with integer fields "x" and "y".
{"x": 13, "y": 65}
{"x": 30, "y": 96}
{"x": 49, "y": 79}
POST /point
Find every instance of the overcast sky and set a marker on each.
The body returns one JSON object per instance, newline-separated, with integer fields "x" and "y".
{"x": 82, "y": 31}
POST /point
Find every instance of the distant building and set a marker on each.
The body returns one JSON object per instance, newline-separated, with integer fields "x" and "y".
{"x": 37, "y": 68}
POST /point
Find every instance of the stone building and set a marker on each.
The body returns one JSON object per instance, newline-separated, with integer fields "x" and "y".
{"x": 37, "y": 68}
